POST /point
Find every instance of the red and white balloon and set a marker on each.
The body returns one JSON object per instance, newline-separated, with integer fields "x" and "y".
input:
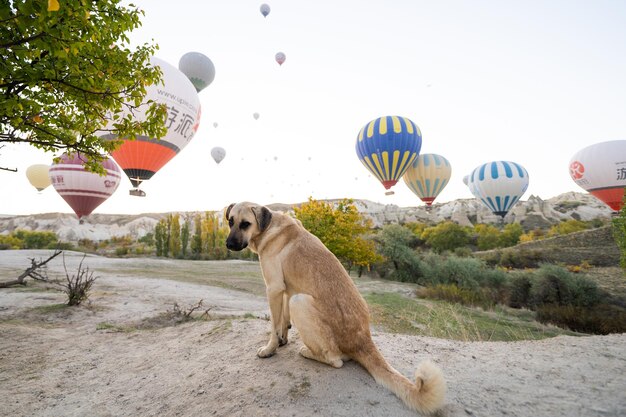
{"x": 83, "y": 190}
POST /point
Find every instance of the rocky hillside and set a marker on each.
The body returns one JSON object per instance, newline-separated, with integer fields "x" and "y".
{"x": 531, "y": 213}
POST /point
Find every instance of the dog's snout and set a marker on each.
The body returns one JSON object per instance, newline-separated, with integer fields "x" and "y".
{"x": 234, "y": 243}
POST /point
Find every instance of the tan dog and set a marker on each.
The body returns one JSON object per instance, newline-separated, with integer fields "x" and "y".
{"x": 307, "y": 284}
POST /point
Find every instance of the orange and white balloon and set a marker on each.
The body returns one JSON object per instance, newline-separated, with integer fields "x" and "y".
{"x": 600, "y": 169}
{"x": 83, "y": 190}
{"x": 143, "y": 157}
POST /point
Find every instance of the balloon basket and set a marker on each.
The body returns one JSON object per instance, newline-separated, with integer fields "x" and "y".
{"x": 137, "y": 192}
{"x": 389, "y": 192}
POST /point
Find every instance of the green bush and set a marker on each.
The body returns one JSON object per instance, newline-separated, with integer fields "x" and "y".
{"x": 446, "y": 236}
{"x": 454, "y": 294}
{"x": 556, "y": 285}
{"x": 121, "y": 251}
{"x": 467, "y": 273}
{"x": 601, "y": 319}
{"x": 523, "y": 258}
{"x": 519, "y": 291}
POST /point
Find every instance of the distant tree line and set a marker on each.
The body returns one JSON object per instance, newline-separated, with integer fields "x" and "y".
{"x": 200, "y": 236}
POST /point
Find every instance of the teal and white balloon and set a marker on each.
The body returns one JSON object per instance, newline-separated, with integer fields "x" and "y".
{"x": 499, "y": 185}
{"x": 427, "y": 176}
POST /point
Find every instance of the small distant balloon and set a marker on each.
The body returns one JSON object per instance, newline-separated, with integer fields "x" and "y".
{"x": 218, "y": 153}
{"x": 38, "y": 176}
{"x": 265, "y": 9}
{"x": 198, "y": 68}
{"x": 280, "y": 58}
{"x": 256, "y": 116}
{"x": 214, "y": 124}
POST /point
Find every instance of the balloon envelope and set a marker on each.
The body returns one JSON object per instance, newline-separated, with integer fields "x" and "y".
{"x": 387, "y": 146}
{"x": 38, "y": 176}
{"x": 499, "y": 185}
{"x": 143, "y": 157}
{"x": 256, "y": 116}
{"x": 600, "y": 169}
{"x": 218, "y": 153}
{"x": 198, "y": 68}
{"x": 427, "y": 176}
{"x": 280, "y": 58}
{"x": 265, "y": 9}
{"x": 81, "y": 189}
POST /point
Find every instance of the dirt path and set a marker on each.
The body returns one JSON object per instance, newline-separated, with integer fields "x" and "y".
{"x": 65, "y": 362}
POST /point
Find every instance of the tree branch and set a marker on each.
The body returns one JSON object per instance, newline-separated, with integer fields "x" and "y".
{"x": 32, "y": 271}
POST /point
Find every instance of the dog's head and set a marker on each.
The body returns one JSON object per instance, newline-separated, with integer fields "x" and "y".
{"x": 246, "y": 221}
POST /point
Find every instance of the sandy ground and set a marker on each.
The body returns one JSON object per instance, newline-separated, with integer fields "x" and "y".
{"x": 62, "y": 362}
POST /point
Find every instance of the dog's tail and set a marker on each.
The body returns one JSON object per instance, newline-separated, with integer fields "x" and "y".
{"x": 426, "y": 395}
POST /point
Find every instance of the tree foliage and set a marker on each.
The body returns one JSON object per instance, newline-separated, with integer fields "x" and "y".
{"x": 395, "y": 244}
{"x": 446, "y": 236}
{"x": 65, "y": 73}
{"x": 341, "y": 228}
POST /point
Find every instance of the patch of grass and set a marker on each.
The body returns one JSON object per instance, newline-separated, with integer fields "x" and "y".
{"x": 239, "y": 276}
{"x": 34, "y": 289}
{"x": 113, "y": 328}
{"x": 50, "y": 308}
{"x": 399, "y": 314}
{"x": 223, "y": 327}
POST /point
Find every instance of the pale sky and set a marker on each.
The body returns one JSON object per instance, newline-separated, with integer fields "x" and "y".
{"x": 531, "y": 82}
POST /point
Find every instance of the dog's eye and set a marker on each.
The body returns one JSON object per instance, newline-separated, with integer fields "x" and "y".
{"x": 231, "y": 222}
{"x": 244, "y": 225}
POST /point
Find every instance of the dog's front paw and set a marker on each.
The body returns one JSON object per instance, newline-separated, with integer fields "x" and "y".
{"x": 266, "y": 351}
{"x": 283, "y": 337}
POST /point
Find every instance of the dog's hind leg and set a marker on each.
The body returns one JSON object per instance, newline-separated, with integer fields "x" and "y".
{"x": 317, "y": 336}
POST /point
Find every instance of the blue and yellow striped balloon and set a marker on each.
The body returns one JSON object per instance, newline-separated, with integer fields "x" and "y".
{"x": 427, "y": 176}
{"x": 499, "y": 185}
{"x": 387, "y": 146}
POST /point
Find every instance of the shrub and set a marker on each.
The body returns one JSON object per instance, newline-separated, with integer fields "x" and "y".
{"x": 556, "y": 285}
{"x": 468, "y": 273}
{"x": 519, "y": 291}
{"x": 446, "y": 236}
{"x": 454, "y": 294}
{"x": 523, "y": 258}
{"x": 121, "y": 251}
{"x": 602, "y": 319}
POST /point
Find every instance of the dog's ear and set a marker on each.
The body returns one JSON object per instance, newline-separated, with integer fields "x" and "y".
{"x": 263, "y": 217}
{"x": 228, "y": 211}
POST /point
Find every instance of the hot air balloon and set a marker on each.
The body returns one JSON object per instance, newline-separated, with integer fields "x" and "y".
{"x": 265, "y": 9}
{"x": 38, "y": 176}
{"x": 198, "y": 68}
{"x": 214, "y": 124}
{"x": 600, "y": 169}
{"x": 81, "y": 189}
{"x": 499, "y": 185}
{"x": 143, "y": 157}
{"x": 218, "y": 153}
{"x": 427, "y": 176}
{"x": 280, "y": 58}
{"x": 387, "y": 146}
{"x": 256, "y": 116}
